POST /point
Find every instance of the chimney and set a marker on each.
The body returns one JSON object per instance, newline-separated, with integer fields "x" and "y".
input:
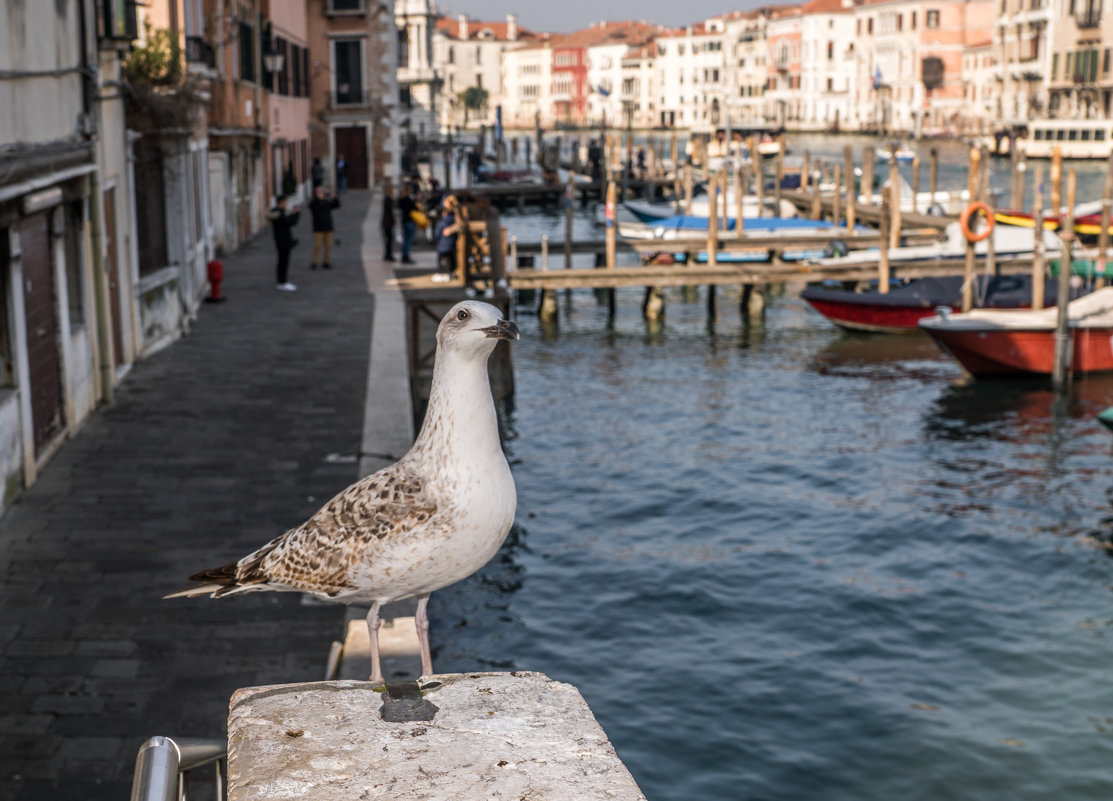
{"x": 512, "y": 27}
{"x": 462, "y": 29}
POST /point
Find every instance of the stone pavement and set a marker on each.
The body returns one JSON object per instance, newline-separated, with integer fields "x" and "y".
{"x": 215, "y": 445}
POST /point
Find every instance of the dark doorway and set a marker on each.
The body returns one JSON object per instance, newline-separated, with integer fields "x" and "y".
{"x": 40, "y": 305}
{"x": 351, "y": 143}
{"x": 113, "y": 275}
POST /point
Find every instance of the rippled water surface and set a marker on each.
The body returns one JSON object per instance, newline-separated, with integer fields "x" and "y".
{"x": 784, "y": 562}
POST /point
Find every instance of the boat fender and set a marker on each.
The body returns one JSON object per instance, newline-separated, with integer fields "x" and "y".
{"x": 836, "y": 249}
{"x": 965, "y": 218}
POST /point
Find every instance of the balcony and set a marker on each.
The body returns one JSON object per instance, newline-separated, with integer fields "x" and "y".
{"x": 198, "y": 51}
{"x": 1088, "y": 17}
{"x": 351, "y": 99}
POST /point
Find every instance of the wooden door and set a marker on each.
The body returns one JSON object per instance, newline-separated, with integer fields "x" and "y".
{"x": 351, "y": 143}
{"x": 113, "y": 276}
{"x": 40, "y": 305}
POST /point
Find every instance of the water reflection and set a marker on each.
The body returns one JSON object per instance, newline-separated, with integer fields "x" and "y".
{"x": 1016, "y": 409}
{"x": 881, "y": 354}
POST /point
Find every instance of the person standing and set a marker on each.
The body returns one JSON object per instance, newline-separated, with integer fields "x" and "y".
{"x": 341, "y": 175}
{"x": 445, "y": 235}
{"x": 407, "y": 205}
{"x": 320, "y": 207}
{"x": 317, "y": 173}
{"x": 386, "y": 222}
{"x": 282, "y": 224}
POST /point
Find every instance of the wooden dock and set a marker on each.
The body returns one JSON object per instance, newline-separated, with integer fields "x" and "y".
{"x": 869, "y": 213}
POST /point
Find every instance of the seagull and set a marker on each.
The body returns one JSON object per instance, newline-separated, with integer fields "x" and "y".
{"x": 432, "y": 518}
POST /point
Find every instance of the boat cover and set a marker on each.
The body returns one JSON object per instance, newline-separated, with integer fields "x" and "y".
{"x": 1001, "y": 292}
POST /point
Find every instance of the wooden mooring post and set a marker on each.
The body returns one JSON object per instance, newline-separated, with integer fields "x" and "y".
{"x": 848, "y": 167}
{"x": 884, "y": 221}
{"x": 569, "y": 211}
{"x": 713, "y": 220}
{"x": 868, "y": 157}
{"x": 779, "y": 174}
{"x": 1061, "y": 367}
{"x": 972, "y": 181}
{"x": 916, "y": 184}
{"x": 934, "y": 178}
{"x": 759, "y": 178}
{"x": 1038, "y": 268}
{"x": 836, "y": 199}
{"x": 1103, "y": 236}
{"x": 894, "y": 191}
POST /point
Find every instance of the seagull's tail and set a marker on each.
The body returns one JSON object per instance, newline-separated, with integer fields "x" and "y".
{"x": 201, "y": 589}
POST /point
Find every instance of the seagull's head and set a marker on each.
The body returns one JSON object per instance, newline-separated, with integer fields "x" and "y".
{"x": 472, "y": 327}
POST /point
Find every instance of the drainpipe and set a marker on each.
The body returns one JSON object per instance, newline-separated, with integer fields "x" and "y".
{"x": 96, "y": 222}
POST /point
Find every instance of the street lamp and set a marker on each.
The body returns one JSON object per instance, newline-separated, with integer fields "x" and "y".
{"x": 274, "y": 62}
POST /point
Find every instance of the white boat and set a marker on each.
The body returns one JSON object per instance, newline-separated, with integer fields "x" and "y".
{"x": 1076, "y": 139}
{"x": 902, "y": 155}
{"x": 701, "y": 207}
{"x": 1009, "y": 241}
{"x": 941, "y": 203}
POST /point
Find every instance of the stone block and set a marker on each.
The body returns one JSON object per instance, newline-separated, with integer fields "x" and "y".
{"x": 468, "y": 737}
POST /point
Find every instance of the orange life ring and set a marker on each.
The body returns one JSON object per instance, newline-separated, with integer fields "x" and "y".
{"x": 964, "y": 221}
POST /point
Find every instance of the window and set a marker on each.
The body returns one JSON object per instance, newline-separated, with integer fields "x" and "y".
{"x": 830, "y": 84}
{"x": 75, "y": 285}
{"x": 246, "y": 36}
{"x": 1073, "y": 135}
{"x": 830, "y": 51}
{"x": 900, "y": 22}
{"x": 346, "y": 61}
{"x": 1068, "y": 73}
{"x": 403, "y": 48}
{"x": 1085, "y": 134}
{"x": 1099, "y": 135}
{"x": 345, "y": 5}
{"x": 1039, "y": 135}
{"x": 1054, "y": 65}
{"x": 451, "y": 55}
{"x": 931, "y": 18}
{"x": 1105, "y": 62}
{"x": 869, "y": 25}
{"x": 116, "y": 20}
{"x": 912, "y": 21}
{"x": 282, "y": 76}
{"x": 7, "y": 367}
{"x": 479, "y": 54}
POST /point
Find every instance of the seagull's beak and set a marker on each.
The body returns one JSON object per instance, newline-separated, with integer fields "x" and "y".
{"x": 503, "y": 329}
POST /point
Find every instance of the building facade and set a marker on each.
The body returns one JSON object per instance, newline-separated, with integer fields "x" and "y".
{"x": 67, "y": 325}
{"x": 353, "y": 90}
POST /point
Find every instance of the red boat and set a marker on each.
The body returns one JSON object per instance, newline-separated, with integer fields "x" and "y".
{"x": 900, "y": 310}
{"x": 993, "y": 342}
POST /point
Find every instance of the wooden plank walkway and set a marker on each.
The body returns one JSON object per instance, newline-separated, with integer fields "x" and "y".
{"x": 757, "y": 273}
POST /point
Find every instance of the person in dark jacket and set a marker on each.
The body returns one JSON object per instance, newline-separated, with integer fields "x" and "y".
{"x": 445, "y": 236}
{"x": 407, "y": 205}
{"x": 282, "y": 224}
{"x": 320, "y": 207}
{"x": 386, "y": 222}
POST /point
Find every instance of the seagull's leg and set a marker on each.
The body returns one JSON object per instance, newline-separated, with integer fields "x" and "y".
{"x": 373, "y": 631}
{"x": 421, "y": 622}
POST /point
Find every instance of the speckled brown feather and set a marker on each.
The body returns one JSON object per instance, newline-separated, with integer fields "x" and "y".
{"x": 318, "y": 555}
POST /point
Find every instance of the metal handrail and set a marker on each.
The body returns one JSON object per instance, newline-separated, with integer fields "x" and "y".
{"x": 163, "y": 764}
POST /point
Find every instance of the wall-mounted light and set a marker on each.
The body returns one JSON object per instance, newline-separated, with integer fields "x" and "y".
{"x": 274, "y": 62}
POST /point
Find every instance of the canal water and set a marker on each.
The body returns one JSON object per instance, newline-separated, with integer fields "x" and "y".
{"x": 784, "y": 562}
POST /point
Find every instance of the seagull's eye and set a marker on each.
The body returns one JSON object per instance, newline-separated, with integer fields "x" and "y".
{"x": 462, "y": 314}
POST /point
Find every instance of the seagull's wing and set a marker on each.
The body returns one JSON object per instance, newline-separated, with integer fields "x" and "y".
{"x": 318, "y": 555}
